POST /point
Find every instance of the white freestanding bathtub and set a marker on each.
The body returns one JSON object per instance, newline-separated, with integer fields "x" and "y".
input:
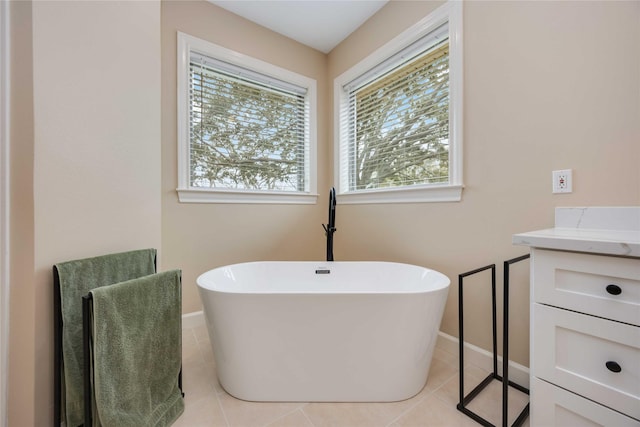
{"x": 323, "y": 331}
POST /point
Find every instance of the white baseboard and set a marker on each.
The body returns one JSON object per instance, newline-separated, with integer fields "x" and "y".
{"x": 192, "y": 320}
{"x": 477, "y": 356}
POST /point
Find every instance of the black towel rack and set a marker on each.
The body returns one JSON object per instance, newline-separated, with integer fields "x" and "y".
{"x": 506, "y": 383}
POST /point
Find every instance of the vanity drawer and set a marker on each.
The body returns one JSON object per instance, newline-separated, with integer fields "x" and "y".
{"x": 554, "y": 406}
{"x": 580, "y": 353}
{"x": 604, "y": 286}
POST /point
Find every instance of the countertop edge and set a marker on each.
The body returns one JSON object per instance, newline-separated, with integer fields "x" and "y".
{"x": 609, "y": 242}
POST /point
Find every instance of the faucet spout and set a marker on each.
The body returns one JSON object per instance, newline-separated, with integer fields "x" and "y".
{"x": 330, "y": 228}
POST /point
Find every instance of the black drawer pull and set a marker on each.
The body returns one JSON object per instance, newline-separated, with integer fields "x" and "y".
{"x": 614, "y": 289}
{"x": 613, "y": 367}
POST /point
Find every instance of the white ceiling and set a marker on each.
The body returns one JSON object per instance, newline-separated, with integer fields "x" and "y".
{"x": 321, "y": 24}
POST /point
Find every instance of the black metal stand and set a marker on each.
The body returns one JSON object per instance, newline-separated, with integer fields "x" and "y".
{"x": 465, "y": 400}
{"x": 87, "y": 363}
{"x": 57, "y": 350}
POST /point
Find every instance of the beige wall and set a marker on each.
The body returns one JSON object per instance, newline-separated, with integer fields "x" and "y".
{"x": 21, "y": 405}
{"x": 91, "y": 158}
{"x": 548, "y": 85}
{"x": 198, "y": 237}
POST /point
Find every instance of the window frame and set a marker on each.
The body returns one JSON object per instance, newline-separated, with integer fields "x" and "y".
{"x": 189, "y": 194}
{"x": 451, "y": 13}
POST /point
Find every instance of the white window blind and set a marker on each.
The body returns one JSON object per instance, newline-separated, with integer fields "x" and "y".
{"x": 397, "y": 118}
{"x": 247, "y": 130}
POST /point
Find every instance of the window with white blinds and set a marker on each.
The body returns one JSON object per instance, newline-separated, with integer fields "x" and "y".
{"x": 246, "y": 131}
{"x": 395, "y": 119}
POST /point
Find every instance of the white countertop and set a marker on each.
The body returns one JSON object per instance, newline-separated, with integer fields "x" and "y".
{"x": 610, "y": 231}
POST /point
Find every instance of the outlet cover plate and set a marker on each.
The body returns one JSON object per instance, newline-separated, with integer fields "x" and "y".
{"x": 562, "y": 181}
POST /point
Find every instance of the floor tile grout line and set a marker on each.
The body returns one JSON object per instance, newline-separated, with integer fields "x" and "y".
{"x": 307, "y": 416}
{"x": 201, "y": 352}
{"x": 221, "y": 406}
{"x": 200, "y": 358}
{"x": 442, "y": 385}
{"x": 411, "y": 408}
{"x": 298, "y": 408}
{"x": 426, "y": 395}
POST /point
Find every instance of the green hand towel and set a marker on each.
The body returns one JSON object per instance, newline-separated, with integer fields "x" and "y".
{"x": 137, "y": 351}
{"x": 77, "y": 278}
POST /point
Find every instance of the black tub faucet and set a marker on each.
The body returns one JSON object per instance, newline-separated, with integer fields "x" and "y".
{"x": 330, "y": 228}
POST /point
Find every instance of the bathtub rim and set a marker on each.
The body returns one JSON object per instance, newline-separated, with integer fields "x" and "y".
{"x": 441, "y": 281}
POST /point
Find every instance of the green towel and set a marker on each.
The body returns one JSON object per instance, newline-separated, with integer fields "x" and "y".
{"x": 77, "y": 278}
{"x": 137, "y": 351}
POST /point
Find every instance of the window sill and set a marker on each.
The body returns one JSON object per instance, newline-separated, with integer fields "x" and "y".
{"x": 207, "y": 195}
{"x": 417, "y": 194}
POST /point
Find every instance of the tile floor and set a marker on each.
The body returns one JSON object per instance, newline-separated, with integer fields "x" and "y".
{"x": 207, "y": 404}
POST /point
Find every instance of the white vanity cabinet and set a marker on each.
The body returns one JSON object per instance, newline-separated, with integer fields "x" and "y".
{"x": 585, "y": 339}
{"x": 585, "y": 326}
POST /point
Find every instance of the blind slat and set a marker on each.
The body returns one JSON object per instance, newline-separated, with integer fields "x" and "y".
{"x": 398, "y": 123}
{"x": 420, "y": 46}
{"x": 246, "y": 130}
{"x": 218, "y": 67}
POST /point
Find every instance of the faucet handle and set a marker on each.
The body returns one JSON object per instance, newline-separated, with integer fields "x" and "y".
{"x": 328, "y": 229}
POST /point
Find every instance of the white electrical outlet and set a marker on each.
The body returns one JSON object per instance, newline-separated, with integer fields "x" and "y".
{"x": 562, "y": 181}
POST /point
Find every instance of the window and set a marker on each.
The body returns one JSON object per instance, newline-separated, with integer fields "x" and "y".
{"x": 399, "y": 120}
{"x": 246, "y": 128}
